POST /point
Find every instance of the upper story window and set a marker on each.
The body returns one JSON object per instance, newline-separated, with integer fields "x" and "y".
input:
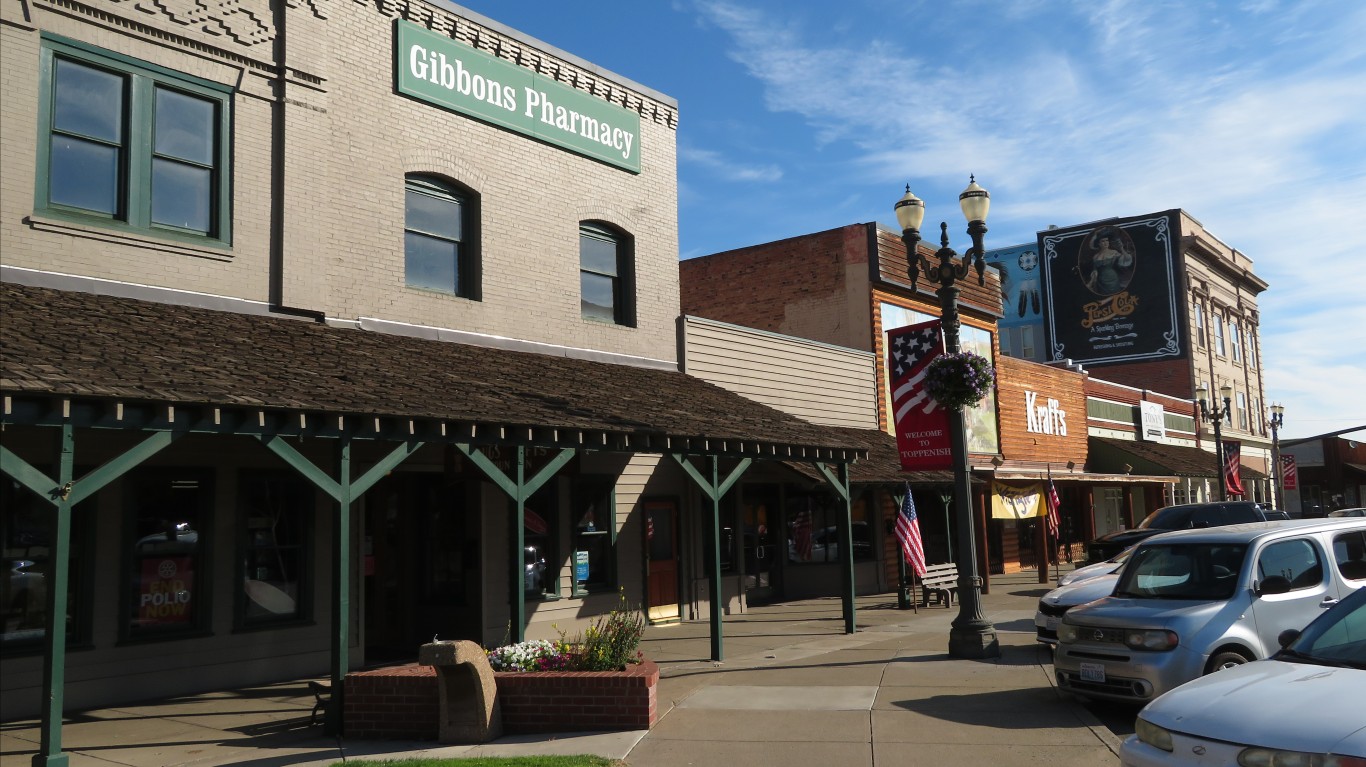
{"x": 438, "y": 242}
{"x": 1242, "y": 410}
{"x": 1236, "y": 341}
{"x": 1251, "y": 350}
{"x": 132, "y": 145}
{"x": 1199, "y": 325}
{"x": 1219, "y": 336}
{"x": 606, "y": 274}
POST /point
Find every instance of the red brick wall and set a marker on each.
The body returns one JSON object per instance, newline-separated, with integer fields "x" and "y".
{"x": 754, "y": 286}
{"x": 401, "y": 701}
{"x": 1172, "y": 377}
{"x": 392, "y": 703}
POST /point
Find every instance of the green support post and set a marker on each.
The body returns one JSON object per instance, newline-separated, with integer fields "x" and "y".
{"x": 845, "y": 523}
{"x": 341, "y": 589}
{"x": 54, "y": 654}
{"x": 714, "y": 577}
{"x": 517, "y": 586}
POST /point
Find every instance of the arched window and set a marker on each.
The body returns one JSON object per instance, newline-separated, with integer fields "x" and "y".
{"x": 439, "y": 244}
{"x": 606, "y": 274}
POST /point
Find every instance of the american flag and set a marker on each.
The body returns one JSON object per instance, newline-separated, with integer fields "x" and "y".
{"x": 911, "y": 354}
{"x": 1051, "y": 499}
{"x": 908, "y": 532}
{"x": 1232, "y": 467}
{"x": 801, "y": 533}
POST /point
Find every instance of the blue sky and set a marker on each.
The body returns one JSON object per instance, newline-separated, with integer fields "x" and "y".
{"x": 801, "y": 116}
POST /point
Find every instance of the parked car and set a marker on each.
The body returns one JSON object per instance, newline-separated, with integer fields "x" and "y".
{"x": 1055, "y": 604}
{"x": 1182, "y": 517}
{"x": 1295, "y": 708}
{"x": 1348, "y": 513}
{"x": 1087, "y": 572}
{"x": 1195, "y": 601}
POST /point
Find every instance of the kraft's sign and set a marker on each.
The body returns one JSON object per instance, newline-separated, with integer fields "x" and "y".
{"x": 1046, "y": 418}
{"x": 449, "y": 74}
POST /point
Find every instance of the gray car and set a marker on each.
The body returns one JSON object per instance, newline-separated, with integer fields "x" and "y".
{"x": 1195, "y": 601}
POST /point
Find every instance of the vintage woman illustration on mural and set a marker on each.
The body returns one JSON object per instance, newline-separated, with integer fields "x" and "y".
{"x": 1106, "y": 261}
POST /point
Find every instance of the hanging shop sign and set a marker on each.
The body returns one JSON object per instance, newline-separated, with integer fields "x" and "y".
{"x": 1153, "y": 421}
{"x": 1016, "y": 501}
{"x": 438, "y": 70}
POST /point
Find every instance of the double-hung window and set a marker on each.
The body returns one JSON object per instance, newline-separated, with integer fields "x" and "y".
{"x": 606, "y": 275}
{"x": 438, "y": 238}
{"x": 1199, "y": 325}
{"x": 131, "y": 145}
{"x": 1219, "y": 336}
{"x": 1236, "y": 339}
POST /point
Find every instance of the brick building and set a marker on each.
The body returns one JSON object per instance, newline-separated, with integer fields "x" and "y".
{"x": 400, "y": 286}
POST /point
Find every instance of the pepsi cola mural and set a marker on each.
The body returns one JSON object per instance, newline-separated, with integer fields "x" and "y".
{"x": 1111, "y": 290}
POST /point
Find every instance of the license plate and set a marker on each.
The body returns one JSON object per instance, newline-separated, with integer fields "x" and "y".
{"x": 1051, "y": 622}
{"x": 1092, "y": 672}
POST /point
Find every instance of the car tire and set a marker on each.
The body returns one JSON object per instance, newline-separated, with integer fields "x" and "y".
{"x": 1223, "y": 660}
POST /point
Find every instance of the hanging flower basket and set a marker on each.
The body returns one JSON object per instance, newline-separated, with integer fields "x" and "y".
{"x": 959, "y": 380}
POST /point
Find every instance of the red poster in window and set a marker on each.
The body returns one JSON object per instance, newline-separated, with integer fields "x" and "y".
{"x": 1290, "y": 476}
{"x": 922, "y": 426}
{"x": 163, "y": 596}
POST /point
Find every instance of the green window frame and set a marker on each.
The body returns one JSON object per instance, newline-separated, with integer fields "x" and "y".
{"x": 606, "y": 274}
{"x": 132, "y": 146}
{"x": 440, "y": 237}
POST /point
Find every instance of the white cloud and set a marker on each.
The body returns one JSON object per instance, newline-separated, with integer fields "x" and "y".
{"x": 1249, "y": 118}
{"x": 720, "y": 166}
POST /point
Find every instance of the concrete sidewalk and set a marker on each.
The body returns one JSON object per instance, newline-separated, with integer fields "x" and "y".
{"x": 793, "y": 690}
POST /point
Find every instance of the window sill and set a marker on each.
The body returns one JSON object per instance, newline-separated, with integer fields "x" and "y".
{"x": 281, "y": 625}
{"x": 178, "y": 636}
{"x": 116, "y": 234}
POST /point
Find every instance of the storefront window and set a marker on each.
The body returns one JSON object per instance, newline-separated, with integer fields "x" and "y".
{"x": 27, "y": 527}
{"x": 594, "y": 532}
{"x": 539, "y": 560}
{"x": 276, "y": 514}
{"x": 170, "y": 514}
{"x": 813, "y": 528}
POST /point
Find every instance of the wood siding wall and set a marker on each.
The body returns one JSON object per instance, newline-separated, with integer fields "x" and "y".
{"x": 824, "y": 384}
{"x": 1015, "y": 377}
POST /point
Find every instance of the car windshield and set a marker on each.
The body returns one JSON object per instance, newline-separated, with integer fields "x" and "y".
{"x": 1203, "y": 571}
{"x": 1336, "y": 638}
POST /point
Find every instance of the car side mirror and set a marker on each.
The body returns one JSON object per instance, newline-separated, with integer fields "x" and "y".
{"x": 1273, "y": 584}
{"x": 1286, "y": 637}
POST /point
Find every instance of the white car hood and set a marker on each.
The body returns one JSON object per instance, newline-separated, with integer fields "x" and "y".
{"x": 1271, "y": 703}
{"x": 1088, "y": 590}
{"x": 1087, "y": 572}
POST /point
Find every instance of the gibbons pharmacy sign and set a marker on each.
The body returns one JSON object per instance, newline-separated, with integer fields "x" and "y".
{"x": 438, "y": 70}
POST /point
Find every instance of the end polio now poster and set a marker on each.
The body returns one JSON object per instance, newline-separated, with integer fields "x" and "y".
{"x": 922, "y": 426}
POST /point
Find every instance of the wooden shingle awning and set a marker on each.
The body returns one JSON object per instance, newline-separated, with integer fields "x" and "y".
{"x": 103, "y": 361}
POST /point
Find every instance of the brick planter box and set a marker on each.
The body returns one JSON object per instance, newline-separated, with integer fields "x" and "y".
{"x": 400, "y": 702}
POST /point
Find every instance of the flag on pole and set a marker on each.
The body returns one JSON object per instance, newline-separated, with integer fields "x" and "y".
{"x": 1052, "y": 501}
{"x": 1232, "y": 467}
{"x": 908, "y": 532}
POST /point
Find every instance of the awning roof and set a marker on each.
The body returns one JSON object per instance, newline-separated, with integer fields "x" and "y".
{"x": 118, "y": 351}
{"x": 1160, "y": 458}
{"x": 882, "y": 464}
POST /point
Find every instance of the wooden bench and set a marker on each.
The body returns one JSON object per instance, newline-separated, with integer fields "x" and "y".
{"x": 942, "y": 582}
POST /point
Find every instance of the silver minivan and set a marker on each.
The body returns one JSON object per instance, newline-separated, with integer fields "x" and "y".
{"x": 1194, "y": 601}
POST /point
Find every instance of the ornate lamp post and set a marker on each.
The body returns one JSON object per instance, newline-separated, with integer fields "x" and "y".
{"x": 1216, "y": 415}
{"x": 1277, "y": 420}
{"x": 972, "y": 635}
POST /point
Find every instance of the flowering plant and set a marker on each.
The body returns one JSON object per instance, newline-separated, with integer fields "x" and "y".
{"x": 532, "y": 655}
{"x": 959, "y": 380}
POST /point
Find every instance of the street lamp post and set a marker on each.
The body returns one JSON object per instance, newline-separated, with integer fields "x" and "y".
{"x": 1216, "y": 415}
{"x": 972, "y": 635}
{"x": 1277, "y": 481}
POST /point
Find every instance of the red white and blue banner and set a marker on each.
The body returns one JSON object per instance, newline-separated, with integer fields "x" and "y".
{"x": 922, "y": 426}
{"x": 1233, "y": 463}
{"x": 908, "y": 533}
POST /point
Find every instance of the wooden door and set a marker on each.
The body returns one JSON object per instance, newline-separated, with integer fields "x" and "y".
{"x": 661, "y": 551}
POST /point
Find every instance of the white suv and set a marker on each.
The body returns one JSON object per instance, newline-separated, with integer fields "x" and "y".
{"x": 1195, "y": 601}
